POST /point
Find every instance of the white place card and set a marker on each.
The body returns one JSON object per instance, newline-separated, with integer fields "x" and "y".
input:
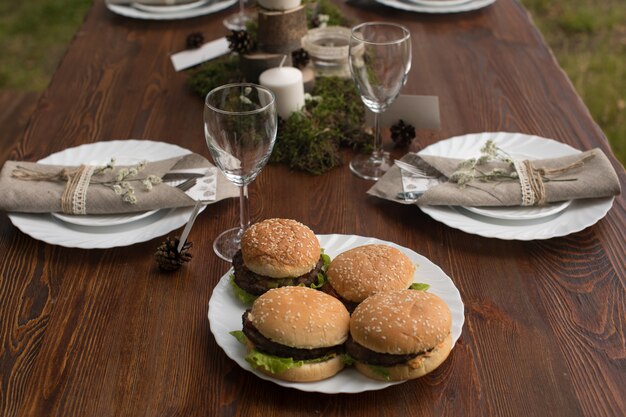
{"x": 422, "y": 112}
{"x": 210, "y": 50}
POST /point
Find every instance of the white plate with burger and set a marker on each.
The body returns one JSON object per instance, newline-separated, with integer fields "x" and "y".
{"x": 226, "y": 310}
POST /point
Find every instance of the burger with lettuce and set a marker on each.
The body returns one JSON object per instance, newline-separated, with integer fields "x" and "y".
{"x": 295, "y": 334}
{"x": 277, "y": 253}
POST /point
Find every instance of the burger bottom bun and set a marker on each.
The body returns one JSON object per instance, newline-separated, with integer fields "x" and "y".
{"x": 309, "y": 372}
{"x": 405, "y": 371}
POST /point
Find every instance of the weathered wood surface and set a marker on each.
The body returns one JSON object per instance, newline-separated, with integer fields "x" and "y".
{"x": 104, "y": 333}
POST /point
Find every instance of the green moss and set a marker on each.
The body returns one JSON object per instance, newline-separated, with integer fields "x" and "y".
{"x": 220, "y": 71}
{"x": 336, "y": 17}
{"x": 310, "y": 140}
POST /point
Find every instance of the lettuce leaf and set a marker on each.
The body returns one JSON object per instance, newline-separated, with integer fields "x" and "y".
{"x": 347, "y": 359}
{"x": 321, "y": 277}
{"x": 238, "y": 334}
{"x": 242, "y": 295}
{"x": 419, "y": 286}
{"x": 276, "y": 364}
{"x": 381, "y": 371}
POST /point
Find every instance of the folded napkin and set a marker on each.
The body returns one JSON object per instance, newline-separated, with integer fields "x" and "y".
{"x": 38, "y": 188}
{"x": 585, "y": 175}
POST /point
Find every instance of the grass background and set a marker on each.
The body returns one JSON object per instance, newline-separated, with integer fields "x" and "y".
{"x": 588, "y": 38}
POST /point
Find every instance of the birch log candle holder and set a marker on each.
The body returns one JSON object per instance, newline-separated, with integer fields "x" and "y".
{"x": 281, "y": 32}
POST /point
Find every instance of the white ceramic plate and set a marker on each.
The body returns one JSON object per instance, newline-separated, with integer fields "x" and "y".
{"x": 439, "y": 3}
{"x": 207, "y": 8}
{"x": 56, "y": 232}
{"x": 225, "y": 313}
{"x": 521, "y": 213}
{"x": 102, "y": 220}
{"x": 577, "y": 216}
{"x": 167, "y": 8}
{"x": 429, "y": 8}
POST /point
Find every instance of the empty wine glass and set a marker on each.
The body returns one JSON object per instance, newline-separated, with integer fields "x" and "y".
{"x": 240, "y": 125}
{"x": 238, "y": 20}
{"x": 380, "y": 60}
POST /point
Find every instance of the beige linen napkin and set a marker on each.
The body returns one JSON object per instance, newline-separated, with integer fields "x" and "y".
{"x": 44, "y": 196}
{"x": 596, "y": 178}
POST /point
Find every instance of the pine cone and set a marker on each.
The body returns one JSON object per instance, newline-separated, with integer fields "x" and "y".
{"x": 168, "y": 257}
{"x": 240, "y": 41}
{"x": 300, "y": 58}
{"x": 195, "y": 40}
{"x": 402, "y": 134}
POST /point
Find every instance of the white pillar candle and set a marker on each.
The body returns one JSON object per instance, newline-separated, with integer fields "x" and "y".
{"x": 286, "y": 84}
{"x": 279, "y": 4}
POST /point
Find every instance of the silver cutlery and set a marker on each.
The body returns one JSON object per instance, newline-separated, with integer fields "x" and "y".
{"x": 412, "y": 169}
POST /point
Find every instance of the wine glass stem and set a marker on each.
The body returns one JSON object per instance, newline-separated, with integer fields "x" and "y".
{"x": 377, "y": 154}
{"x": 241, "y": 12}
{"x": 244, "y": 213}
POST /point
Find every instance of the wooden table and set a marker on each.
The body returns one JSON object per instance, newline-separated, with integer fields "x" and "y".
{"x": 104, "y": 333}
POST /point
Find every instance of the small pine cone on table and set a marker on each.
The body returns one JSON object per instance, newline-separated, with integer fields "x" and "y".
{"x": 167, "y": 256}
{"x": 240, "y": 41}
{"x": 195, "y": 40}
{"x": 402, "y": 133}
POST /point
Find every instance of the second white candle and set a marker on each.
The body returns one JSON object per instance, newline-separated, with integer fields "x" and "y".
{"x": 287, "y": 85}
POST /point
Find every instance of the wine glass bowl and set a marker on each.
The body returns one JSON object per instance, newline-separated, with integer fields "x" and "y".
{"x": 239, "y": 20}
{"x": 380, "y": 60}
{"x": 240, "y": 126}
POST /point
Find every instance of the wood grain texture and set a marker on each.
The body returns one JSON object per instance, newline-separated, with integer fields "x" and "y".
{"x": 104, "y": 332}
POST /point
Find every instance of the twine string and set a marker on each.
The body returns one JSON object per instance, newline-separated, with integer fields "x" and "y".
{"x": 532, "y": 180}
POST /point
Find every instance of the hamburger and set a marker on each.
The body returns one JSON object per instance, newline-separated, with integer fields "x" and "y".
{"x": 296, "y": 334}
{"x": 277, "y": 253}
{"x": 365, "y": 270}
{"x": 399, "y": 335}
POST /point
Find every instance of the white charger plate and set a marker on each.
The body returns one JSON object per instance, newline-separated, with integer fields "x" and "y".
{"x": 429, "y": 8}
{"x": 577, "y": 216}
{"x": 208, "y": 8}
{"x": 47, "y": 228}
{"x": 225, "y": 312}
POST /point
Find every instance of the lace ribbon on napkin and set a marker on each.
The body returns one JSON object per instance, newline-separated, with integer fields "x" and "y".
{"x": 74, "y": 197}
{"x": 532, "y": 179}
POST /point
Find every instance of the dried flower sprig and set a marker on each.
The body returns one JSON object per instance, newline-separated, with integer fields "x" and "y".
{"x": 468, "y": 170}
{"x": 121, "y": 185}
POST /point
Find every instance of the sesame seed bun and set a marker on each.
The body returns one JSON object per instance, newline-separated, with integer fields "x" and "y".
{"x": 280, "y": 248}
{"x": 401, "y": 322}
{"x": 309, "y": 372}
{"x": 416, "y": 368}
{"x": 300, "y": 317}
{"x": 365, "y": 270}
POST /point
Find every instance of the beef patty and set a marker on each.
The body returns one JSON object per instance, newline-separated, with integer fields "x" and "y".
{"x": 330, "y": 290}
{"x": 264, "y": 344}
{"x": 365, "y": 355}
{"x": 258, "y": 284}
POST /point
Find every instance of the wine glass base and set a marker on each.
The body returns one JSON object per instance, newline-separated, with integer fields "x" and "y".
{"x": 237, "y": 21}
{"x": 370, "y": 168}
{"x": 228, "y": 243}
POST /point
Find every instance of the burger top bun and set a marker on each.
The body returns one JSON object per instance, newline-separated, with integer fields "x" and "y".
{"x": 300, "y": 317}
{"x": 401, "y": 322}
{"x": 280, "y": 248}
{"x": 365, "y": 270}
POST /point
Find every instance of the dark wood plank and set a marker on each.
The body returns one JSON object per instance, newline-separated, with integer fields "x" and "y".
{"x": 103, "y": 332}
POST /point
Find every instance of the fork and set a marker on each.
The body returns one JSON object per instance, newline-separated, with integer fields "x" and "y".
{"x": 412, "y": 169}
{"x": 187, "y": 185}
